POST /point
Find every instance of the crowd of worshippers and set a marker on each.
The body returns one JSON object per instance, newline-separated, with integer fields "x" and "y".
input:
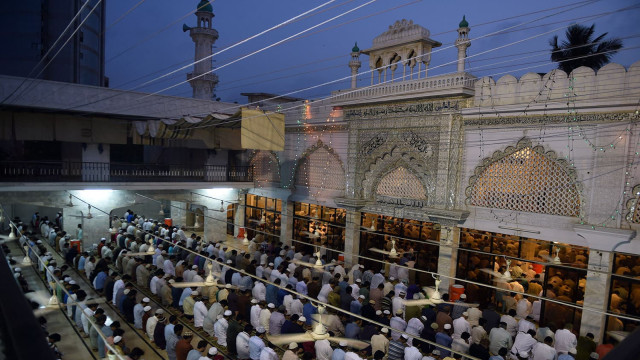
{"x": 241, "y": 312}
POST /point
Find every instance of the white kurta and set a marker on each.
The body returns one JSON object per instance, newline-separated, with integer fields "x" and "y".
{"x": 255, "y": 316}
{"x": 323, "y": 350}
{"x": 220, "y": 331}
{"x": 199, "y": 313}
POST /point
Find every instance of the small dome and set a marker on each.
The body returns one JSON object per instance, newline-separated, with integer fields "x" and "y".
{"x": 464, "y": 22}
{"x": 355, "y": 48}
{"x": 204, "y": 6}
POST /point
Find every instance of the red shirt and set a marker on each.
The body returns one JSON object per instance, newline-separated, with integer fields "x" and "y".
{"x": 182, "y": 349}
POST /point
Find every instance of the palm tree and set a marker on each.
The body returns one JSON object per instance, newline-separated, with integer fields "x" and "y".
{"x": 581, "y": 49}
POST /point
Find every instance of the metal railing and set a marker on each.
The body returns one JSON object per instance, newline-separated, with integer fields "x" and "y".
{"x": 72, "y": 171}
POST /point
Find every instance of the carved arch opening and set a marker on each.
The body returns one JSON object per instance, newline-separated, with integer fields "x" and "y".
{"x": 321, "y": 168}
{"x": 526, "y": 178}
{"x": 266, "y": 167}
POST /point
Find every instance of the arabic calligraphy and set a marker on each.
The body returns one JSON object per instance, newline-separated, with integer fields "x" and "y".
{"x": 417, "y": 142}
{"x": 435, "y": 106}
{"x": 371, "y": 145}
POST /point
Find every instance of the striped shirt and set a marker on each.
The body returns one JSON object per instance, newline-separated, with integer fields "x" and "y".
{"x": 396, "y": 350}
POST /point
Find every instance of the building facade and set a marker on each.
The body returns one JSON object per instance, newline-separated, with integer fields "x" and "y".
{"x": 535, "y": 175}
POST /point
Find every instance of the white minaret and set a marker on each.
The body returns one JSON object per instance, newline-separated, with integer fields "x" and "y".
{"x": 355, "y": 64}
{"x": 462, "y": 42}
{"x": 202, "y": 80}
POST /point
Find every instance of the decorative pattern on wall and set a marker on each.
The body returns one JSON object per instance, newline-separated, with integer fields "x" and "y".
{"x": 525, "y": 178}
{"x": 633, "y": 213}
{"x": 266, "y": 167}
{"x": 401, "y": 183}
{"x": 320, "y": 167}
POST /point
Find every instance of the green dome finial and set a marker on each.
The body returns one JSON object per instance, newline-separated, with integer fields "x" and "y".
{"x": 355, "y": 48}
{"x": 204, "y": 6}
{"x": 464, "y": 22}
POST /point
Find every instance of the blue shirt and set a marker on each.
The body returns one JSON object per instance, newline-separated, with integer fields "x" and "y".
{"x": 496, "y": 357}
{"x": 100, "y": 280}
{"x": 565, "y": 357}
{"x": 338, "y": 354}
{"x": 168, "y": 330}
{"x": 351, "y": 331}
{"x": 445, "y": 340}
{"x": 106, "y": 330}
{"x": 307, "y": 311}
{"x": 356, "y": 307}
{"x": 81, "y": 263}
{"x": 272, "y": 294}
{"x": 185, "y": 293}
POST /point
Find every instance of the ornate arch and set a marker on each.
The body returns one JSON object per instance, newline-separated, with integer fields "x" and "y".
{"x": 320, "y": 167}
{"x": 633, "y": 211}
{"x": 266, "y": 166}
{"x": 391, "y": 161}
{"x": 525, "y": 178}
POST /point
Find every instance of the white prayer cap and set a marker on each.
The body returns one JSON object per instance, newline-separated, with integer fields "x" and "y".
{"x": 282, "y": 252}
{"x": 213, "y": 351}
{"x": 147, "y": 308}
{"x": 381, "y": 271}
{"x": 391, "y": 278}
{"x": 399, "y": 312}
{"x": 573, "y": 351}
{"x": 385, "y": 330}
{"x": 260, "y": 330}
{"x": 358, "y": 280}
{"x": 361, "y": 266}
{"x": 523, "y": 354}
{"x": 387, "y": 312}
{"x": 72, "y": 282}
{"x": 463, "y": 296}
{"x": 228, "y": 286}
{"x": 378, "y": 312}
{"x": 39, "y": 242}
{"x": 447, "y": 326}
{"x": 227, "y": 313}
{"x": 229, "y": 261}
{"x": 126, "y": 291}
{"x": 103, "y": 239}
{"x": 17, "y": 269}
{"x": 145, "y": 300}
{"x": 293, "y": 346}
{"x": 254, "y": 301}
{"x": 270, "y": 264}
{"x": 594, "y": 355}
{"x": 465, "y": 314}
{"x": 117, "y": 339}
{"x": 405, "y": 336}
{"x": 195, "y": 293}
{"x": 194, "y": 267}
{"x": 302, "y": 319}
{"x": 342, "y": 343}
{"x": 436, "y": 352}
{"x": 172, "y": 281}
{"x": 361, "y": 296}
{"x": 159, "y": 312}
{"x": 271, "y": 306}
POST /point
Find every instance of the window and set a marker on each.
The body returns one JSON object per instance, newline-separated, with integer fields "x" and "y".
{"x": 624, "y": 294}
{"x": 260, "y": 220}
{"x": 525, "y": 178}
{"x": 329, "y": 223}
{"x": 416, "y": 237}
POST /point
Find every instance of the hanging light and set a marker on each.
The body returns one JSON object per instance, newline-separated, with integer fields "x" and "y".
{"x": 221, "y": 206}
{"x": 89, "y": 216}
{"x": 70, "y": 204}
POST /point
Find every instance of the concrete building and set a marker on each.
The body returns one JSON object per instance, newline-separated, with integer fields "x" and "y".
{"x": 36, "y": 30}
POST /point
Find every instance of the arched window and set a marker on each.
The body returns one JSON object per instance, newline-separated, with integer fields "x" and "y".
{"x": 401, "y": 183}
{"x": 266, "y": 167}
{"x": 525, "y": 178}
{"x": 321, "y": 169}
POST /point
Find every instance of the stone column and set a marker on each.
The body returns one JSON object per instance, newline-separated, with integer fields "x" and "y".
{"x": 602, "y": 243}
{"x": 286, "y": 222}
{"x": 596, "y": 293}
{"x": 352, "y": 238}
{"x": 215, "y": 224}
{"x": 178, "y": 213}
{"x": 448, "y": 258}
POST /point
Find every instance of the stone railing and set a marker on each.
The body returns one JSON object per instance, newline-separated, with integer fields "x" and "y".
{"x": 450, "y": 83}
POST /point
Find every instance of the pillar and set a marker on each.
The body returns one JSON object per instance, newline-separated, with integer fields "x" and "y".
{"x": 178, "y": 213}
{"x": 215, "y": 224}
{"x": 448, "y": 257}
{"x": 352, "y": 237}
{"x": 238, "y": 219}
{"x": 286, "y": 222}
{"x": 596, "y": 293}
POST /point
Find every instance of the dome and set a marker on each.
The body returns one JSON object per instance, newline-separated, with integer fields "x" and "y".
{"x": 464, "y": 22}
{"x": 204, "y": 6}
{"x": 355, "y": 48}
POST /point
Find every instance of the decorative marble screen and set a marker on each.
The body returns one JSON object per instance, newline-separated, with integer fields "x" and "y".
{"x": 321, "y": 169}
{"x": 633, "y": 213}
{"x": 525, "y": 178}
{"x": 266, "y": 167}
{"x": 401, "y": 183}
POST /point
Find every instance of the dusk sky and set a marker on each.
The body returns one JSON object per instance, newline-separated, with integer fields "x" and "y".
{"x": 148, "y": 42}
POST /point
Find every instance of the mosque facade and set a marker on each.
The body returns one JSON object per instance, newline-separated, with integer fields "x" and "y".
{"x": 538, "y": 173}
